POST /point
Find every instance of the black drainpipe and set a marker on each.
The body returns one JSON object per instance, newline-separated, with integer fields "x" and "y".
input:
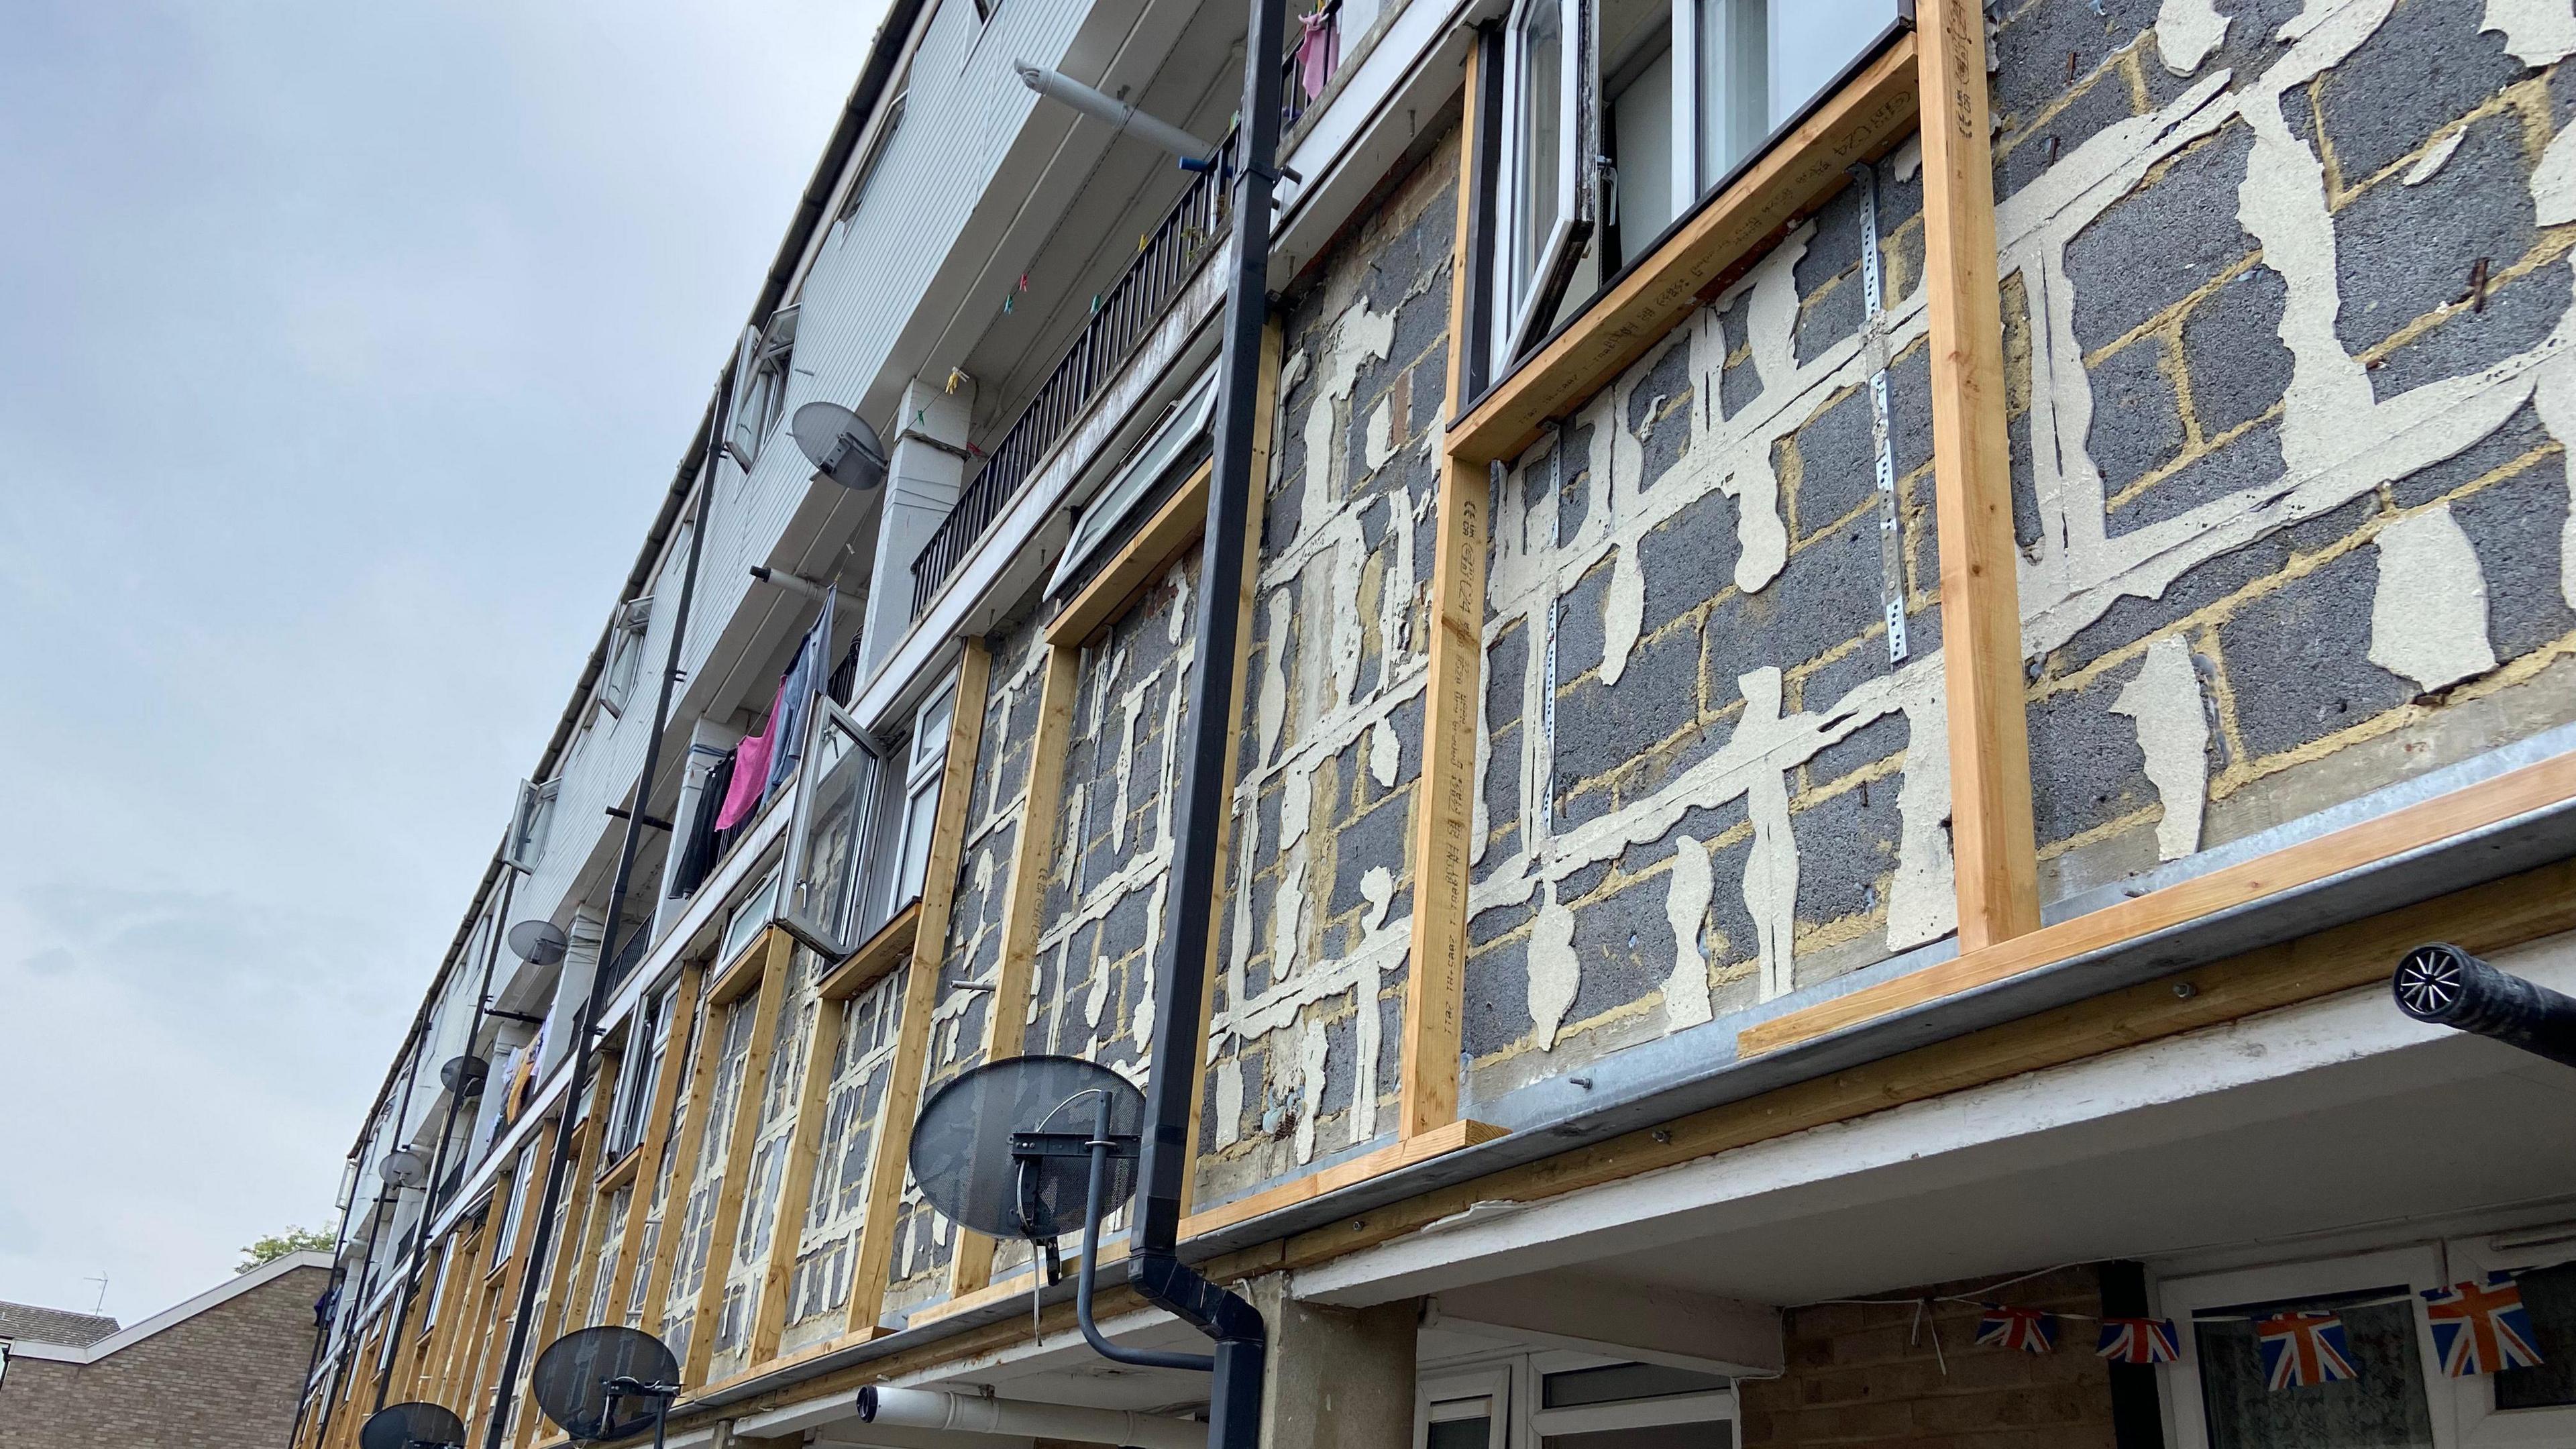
{"x": 1154, "y": 1267}
{"x": 586, "y": 1035}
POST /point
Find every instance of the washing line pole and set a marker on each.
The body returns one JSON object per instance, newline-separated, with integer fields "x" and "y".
{"x": 586, "y": 1035}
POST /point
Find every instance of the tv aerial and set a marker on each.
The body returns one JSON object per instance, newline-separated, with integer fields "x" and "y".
{"x": 412, "y": 1426}
{"x": 608, "y": 1382}
{"x": 538, "y": 942}
{"x": 840, "y": 445}
{"x": 1033, "y": 1148}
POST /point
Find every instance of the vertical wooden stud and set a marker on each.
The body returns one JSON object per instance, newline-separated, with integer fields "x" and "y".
{"x": 780, "y": 962}
{"x": 657, "y": 1134}
{"x": 1032, "y": 853}
{"x": 1991, "y": 832}
{"x": 929, "y": 945}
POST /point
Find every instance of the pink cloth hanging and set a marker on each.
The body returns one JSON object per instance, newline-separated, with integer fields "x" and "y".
{"x": 750, "y": 770}
{"x": 1319, "y": 50}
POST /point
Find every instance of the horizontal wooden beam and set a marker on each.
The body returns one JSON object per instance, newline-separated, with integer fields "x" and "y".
{"x": 1808, "y": 165}
{"x": 1404, "y": 1152}
{"x": 2473, "y": 807}
{"x": 742, "y": 974}
{"x": 889, "y": 948}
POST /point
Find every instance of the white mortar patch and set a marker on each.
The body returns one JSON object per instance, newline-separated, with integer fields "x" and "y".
{"x": 2536, "y": 31}
{"x": 2187, "y": 31}
{"x": 2428, "y": 619}
{"x": 1692, "y": 887}
{"x": 2173, "y": 733}
{"x": 1554, "y": 971}
{"x": 2434, "y": 159}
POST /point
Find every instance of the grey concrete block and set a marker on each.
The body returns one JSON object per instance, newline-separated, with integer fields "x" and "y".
{"x": 2402, "y": 251}
{"x": 2522, "y": 433}
{"x": 2232, "y": 351}
{"x": 1867, "y": 745}
{"x": 2085, "y": 764}
{"x": 2518, "y": 317}
{"x": 1689, "y": 558}
{"x": 1375, "y": 840}
{"x": 2428, "y": 62}
{"x": 2249, "y": 461}
{"x": 1738, "y": 382}
{"x": 2037, "y": 45}
{"x": 1579, "y": 626}
{"x": 2514, "y": 524}
{"x": 1664, "y": 433}
{"x": 1846, "y": 851}
{"x": 2298, "y": 660}
{"x": 2103, "y": 101}
{"x": 1837, "y": 463}
{"x": 2137, "y": 413}
{"x": 1624, "y": 944}
{"x": 2161, "y": 242}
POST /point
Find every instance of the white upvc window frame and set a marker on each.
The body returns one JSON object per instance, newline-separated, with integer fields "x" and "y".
{"x": 926, "y": 762}
{"x": 1446, "y": 1397}
{"x": 625, "y": 654}
{"x": 2461, "y": 1410}
{"x": 815, "y": 923}
{"x": 1518, "y": 286}
{"x": 525, "y": 849}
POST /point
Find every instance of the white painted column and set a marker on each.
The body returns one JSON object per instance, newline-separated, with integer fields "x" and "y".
{"x": 580, "y": 967}
{"x": 926, "y": 469}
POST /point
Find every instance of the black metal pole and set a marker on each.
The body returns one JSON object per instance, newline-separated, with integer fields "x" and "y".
{"x": 1156, "y": 1271}
{"x": 384, "y": 1199}
{"x": 586, "y": 1032}
{"x": 446, "y": 1130}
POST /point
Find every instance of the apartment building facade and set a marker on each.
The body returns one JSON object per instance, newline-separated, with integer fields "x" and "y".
{"x": 1867, "y": 630}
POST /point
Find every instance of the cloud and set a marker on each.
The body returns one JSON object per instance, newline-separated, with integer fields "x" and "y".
{"x": 352, "y": 358}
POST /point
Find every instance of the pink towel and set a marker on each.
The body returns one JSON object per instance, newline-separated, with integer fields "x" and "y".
{"x": 1319, "y": 50}
{"x": 750, "y": 771}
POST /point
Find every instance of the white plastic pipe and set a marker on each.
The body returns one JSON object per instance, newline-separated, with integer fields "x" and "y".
{"x": 1056, "y": 86}
{"x": 976, "y": 1414}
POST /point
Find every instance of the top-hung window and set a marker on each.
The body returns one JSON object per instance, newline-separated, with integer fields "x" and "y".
{"x": 1620, "y": 114}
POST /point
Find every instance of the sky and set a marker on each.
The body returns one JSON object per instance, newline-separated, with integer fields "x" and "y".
{"x": 345, "y": 354}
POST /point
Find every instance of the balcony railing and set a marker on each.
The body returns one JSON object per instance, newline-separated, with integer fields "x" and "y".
{"x": 1120, "y": 318}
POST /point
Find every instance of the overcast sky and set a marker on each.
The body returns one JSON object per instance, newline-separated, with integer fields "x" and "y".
{"x": 345, "y": 352}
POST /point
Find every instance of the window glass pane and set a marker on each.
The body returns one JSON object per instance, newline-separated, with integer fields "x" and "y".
{"x": 919, "y": 820}
{"x": 1715, "y": 1434}
{"x": 2382, "y": 1408}
{"x": 1811, "y": 42}
{"x": 1541, "y": 131}
{"x": 1641, "y": 137}
{"x": 1734, "y": 88}
{"x": 1462, "y": 1434}
{"x": 827, "y": 867}
{"x": 748, "y": 918}
{"x": 1623, "y": 1381}
{"x": 2549, "y": 1296}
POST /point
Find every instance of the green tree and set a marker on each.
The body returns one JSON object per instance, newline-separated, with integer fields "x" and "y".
{"x": 278, "y": 1245}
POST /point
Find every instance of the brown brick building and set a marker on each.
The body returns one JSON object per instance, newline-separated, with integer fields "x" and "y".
{"x": 219, "y": 1371}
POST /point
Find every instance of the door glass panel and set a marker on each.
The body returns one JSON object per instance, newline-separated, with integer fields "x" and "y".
{"x": 2381, "y": 1407}
{"x": 1619, "y": 1381}
{"x": 830, "y": 833}
{"x": 2549, "y": 1296}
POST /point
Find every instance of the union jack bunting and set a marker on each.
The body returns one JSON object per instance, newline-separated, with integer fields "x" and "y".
{"x": 2480, "y": 1327}
{"x": 2138, "y": 1340}
{"x": 2032, "y": 1330}
{"x": 2304, "y": 1348}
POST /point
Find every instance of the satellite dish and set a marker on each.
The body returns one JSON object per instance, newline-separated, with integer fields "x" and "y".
{"x": 608, "y": 1382}
{"x": 539, "y": 943}
{"x": 840, "y": 445}
{"x": 404, "y": 1167}
{"x": 464, "y": 1075}
{"x": 1004, "y": 1148}
{"x": 412, "y": 1426}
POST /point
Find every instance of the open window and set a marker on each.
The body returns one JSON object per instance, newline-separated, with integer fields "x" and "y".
{"x": 1178, "y": 440}
{"x": 526, "y": 844}
{"x": 1619, "y": 115}
{"x": 760, "y": 385}
{"x": 828, "y": 838}
{"x": 625, "y": 654}
{"x": 643, "y": 1067}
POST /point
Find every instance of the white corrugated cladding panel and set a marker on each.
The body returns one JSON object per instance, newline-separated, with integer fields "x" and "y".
{"x": 966, "y": 107}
